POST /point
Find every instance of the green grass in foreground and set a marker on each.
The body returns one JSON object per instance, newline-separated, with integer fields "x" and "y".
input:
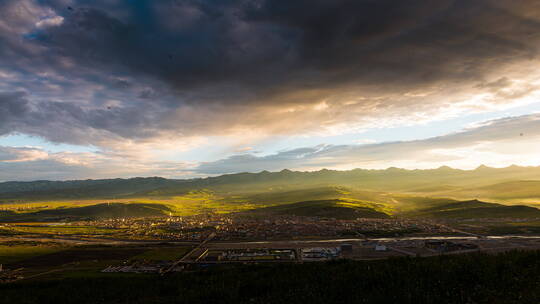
{"x": 64, "y": 230}
{"x": 163, "y": 254}
{"x": 476, "y": 278}
{"x": 10, "y": 254}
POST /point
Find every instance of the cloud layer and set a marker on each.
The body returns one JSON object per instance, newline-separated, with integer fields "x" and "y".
{"x": 90, "y": 70}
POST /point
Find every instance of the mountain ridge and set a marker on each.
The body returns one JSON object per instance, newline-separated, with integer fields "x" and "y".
{"x": 324, "y": 170}
{"x": 388, "y": 180}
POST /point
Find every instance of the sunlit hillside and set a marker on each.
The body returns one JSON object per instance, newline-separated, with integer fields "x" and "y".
{"x": 391, "y": 192}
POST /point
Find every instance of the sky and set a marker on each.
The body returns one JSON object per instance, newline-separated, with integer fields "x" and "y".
{"x": 195, "y": 88}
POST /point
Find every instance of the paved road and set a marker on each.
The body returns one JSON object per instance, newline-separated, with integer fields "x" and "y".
{"x": 185, "y": 257}
{"x": 461, "y": 231}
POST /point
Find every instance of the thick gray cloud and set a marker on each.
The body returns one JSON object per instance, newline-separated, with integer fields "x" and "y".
{"x": 95, "y": 70}
{"x": 269, "y": 46}
{"x": 13, "y": 106}
{"x": 70, "y": 122}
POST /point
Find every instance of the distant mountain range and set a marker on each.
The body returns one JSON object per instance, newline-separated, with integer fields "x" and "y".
{"x": 483, "y": 182}
{"x": 512, "y": 192}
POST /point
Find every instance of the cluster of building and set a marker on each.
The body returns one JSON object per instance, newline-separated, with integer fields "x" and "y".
{"x": 250, "y": 252}
{"x": 143, "y": 267}
{"x": 285, "y": 227}
{"x": 7, "y": 276}
{"x": 230, "y": 227}
{"x": 448, "y": 246}
{"x": 320, "y": 253}
{"x": 189, "y": 228}
{"x": 274, "y": 255}
{"x": 247, "y": 255}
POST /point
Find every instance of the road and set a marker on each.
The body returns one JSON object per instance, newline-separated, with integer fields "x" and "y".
{"x": 186, "y": 256}
{"x": 90, "y": 240}
{"x": 461, "y": 231}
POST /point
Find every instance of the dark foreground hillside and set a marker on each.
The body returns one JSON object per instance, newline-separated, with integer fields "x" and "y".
{"x": 512, "y": 277}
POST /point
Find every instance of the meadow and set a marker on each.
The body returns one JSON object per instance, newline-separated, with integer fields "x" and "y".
{"x": 323, "y": 200}
{"x": 191, "y": 203}
{"x": 10, "y": 253}
{"x": 435, "y": 193}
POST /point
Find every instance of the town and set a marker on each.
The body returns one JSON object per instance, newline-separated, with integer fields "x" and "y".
{"x": 232, "y": 227}
{"x": 177, "y": 244}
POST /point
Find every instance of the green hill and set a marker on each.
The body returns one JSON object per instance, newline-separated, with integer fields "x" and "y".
{"x": 507, "y": 190}
{"x": 82, "y": 189}
{"x": 441, "y": 180}
{"x": 472, "y": 209}
{"x": 321, "y": 208}
{"x": 291, "y": 196}
{"x": 390, "y": 191}
{"x": 323, "y": 192}
{"x": 99, "y": 211}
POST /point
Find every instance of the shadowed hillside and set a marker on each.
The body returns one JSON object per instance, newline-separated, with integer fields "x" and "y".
{"x": 392, "y": 179}
{"x": 82, "y": 189}
{"x": 99, "y": 211}
{"x": 321, "y": 208}
{"x": 473, "y": 209}
{"x": 437, "y": 193}
{"x": 507, "y": 190}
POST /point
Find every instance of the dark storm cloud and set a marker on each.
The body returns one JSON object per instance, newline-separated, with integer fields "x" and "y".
{"x": 126, "y": 68}
{"x": 13, "y": 106}
{"x": 268, "y": 45}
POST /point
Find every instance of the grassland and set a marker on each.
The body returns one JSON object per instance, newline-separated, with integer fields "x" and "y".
{"x": 162, "y": 254}
{"x": 202, "y": 201}
{"x": 10, "y": 253}
{"x": 48, "y": 260}
{"x": 323, "y": 208}
{"x": 330, "y": 201}
{"x": 65, "y": 230}
{"x": 194, "y": 202}
{"x": 394, "y": 192}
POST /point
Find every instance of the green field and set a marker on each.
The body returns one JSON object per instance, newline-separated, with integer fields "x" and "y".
{"x": 338, "y": 209}
{"x": 40, "y": 258}
{"x": 48, "y": 229}
{"x": 163, "y": 254}
{"x": 338, "y": 202}
{"x": 14, "y": 253}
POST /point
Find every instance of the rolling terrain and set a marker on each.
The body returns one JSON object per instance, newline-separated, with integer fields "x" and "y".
{"x": 322, "y": 208}
{"x": 441, "y": 180}
{"x": 98, "y": 211}
{"x": 474, "y": 209}
{"x": 437, "y": 193}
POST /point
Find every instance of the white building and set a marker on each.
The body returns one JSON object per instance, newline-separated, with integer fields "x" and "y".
{"x": 380, "y": 247}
